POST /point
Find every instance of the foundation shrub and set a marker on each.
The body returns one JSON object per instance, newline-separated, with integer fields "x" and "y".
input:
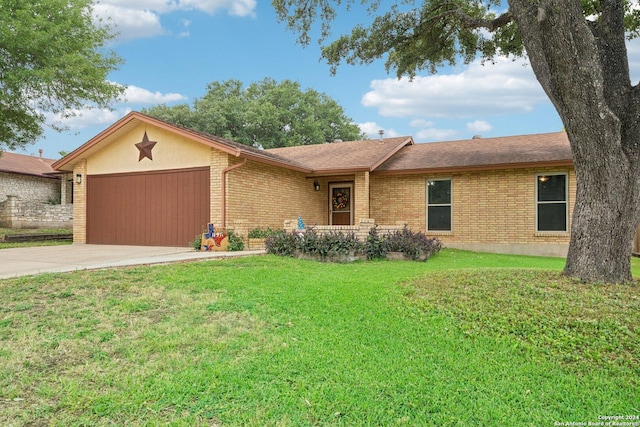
{"x": 236, "y": 243}
{"x": 333, "y": 245}
{"x": 375, "y": 245}
{"x": 415, "y": 246}
{"x": 282, "y": 243}
{"x": 262, "y": 233}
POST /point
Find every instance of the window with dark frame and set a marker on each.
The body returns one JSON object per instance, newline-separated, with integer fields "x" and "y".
{"x": 439, "y": 205}
{"x": 551, "y": 201}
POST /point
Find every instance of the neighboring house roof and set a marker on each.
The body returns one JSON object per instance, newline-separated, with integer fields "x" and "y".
{"x": 26, "y": 165}
{"x": 482, "y": 153}
{"x": 336, "y": 157}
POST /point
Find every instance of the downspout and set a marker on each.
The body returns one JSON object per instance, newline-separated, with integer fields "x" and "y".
{"x": 224, "y": 189}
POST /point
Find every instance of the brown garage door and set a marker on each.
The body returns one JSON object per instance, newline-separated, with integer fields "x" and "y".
{"x": 166, "y": 208}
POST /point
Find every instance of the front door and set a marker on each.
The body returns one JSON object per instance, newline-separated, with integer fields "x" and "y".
{"x": 341, "y": 203}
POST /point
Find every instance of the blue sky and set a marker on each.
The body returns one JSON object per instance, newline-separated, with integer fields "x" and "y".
{"x": 173, "y": 48}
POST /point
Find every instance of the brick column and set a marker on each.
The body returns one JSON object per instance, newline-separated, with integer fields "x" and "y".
{"x": 364, "y": 227}
{"x": 219, "y": 161}
{"x": 80, "y": 203}
{"x": 290, "y": 225}
{"x": 361, "y": 190}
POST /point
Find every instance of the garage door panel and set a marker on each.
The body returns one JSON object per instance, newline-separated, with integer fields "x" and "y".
{"x": 155, "y": 209}
{"x": 102, "y": 221}
{"x": 191, "y": 217}
{"x": 124, "y": 201}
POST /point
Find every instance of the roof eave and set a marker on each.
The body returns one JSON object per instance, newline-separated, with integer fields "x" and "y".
{"x": 273, "y": 162}
{"x": 96, "y": 140}
{"x": 35, "y": 174}
{"x": 477, "y": 168}
{"x": 342, "y": 171}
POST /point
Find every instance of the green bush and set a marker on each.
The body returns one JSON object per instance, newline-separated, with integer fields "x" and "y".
{"x": 262, "y": 233}
{"x": 282, "y": 243}
{"x": 415, "y": 246}
{"x": 235, "y": 242}
{"x": 374, "y": 246}
{"x": 332, "y": 243}
{"x": 197, "y": 242}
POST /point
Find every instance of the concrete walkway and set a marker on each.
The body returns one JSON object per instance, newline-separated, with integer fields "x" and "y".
{"x": 17, "y": 262}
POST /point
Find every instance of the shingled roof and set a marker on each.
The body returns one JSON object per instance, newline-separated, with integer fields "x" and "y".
{"x": 26, "y": 165}
{"x": 482, "y": 153}
{"x": 385, "y": 156}
{"x": 337, "y": 157}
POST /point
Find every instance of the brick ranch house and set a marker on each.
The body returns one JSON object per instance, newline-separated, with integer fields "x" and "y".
{"x": 143, "y": 181}
{"x": 32, "y": 194}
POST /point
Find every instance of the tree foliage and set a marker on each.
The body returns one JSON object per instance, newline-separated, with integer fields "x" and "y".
{"x": 416, "y": 35}
{"x": 51, "y": 62}
{"x": 267, "y": 114}
{"x": 577, "y": 50}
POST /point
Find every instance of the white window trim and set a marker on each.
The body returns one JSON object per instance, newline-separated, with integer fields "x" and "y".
{"x": 566, "y": 204}
{"x": 427, "y": 204}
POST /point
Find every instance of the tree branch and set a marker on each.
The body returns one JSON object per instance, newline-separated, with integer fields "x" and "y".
{"x": 489, "y": 24}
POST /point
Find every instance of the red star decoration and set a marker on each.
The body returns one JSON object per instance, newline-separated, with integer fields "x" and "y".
{"x": 145, "y": 146}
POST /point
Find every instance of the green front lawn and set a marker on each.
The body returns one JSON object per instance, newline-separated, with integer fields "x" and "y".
{"x": 463, "y": 339}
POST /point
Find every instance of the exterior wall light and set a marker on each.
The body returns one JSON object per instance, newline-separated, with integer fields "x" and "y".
{"x": 78, "y": 178}
{"x": 316, "y": 185}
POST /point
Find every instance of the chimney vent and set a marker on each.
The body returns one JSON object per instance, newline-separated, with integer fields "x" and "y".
{"x": 381, "y": 133}
{"x": 40, "y": 151}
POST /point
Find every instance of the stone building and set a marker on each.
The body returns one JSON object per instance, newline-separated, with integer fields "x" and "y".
{"x": 32, "y": 194}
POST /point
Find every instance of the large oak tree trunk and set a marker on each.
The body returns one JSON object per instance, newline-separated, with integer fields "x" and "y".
{"x": 583, "y": 68}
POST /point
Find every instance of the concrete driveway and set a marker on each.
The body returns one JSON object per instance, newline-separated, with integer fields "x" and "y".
{"x": 44, "y": 259}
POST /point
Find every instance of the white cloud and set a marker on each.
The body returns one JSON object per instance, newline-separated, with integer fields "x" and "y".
{"x": 186, "y": 23}
{"x": 433, "y": 134}
{"x": 233, "y": 7}
{"x": 141, "y": 19}
{"x": 138, "y": 95}
{"x": 130, "y": 23}
{"x": 479, "y": 126}
{"x": 420, "y": 123}
{"x": 502, "y": 88}
{"x": 83, "y": 118}
{"x": 160, "y": 6}
{"x": 427, "y": 131}
{"x": 86, "y": 117}
{"x": 372, "y": 129}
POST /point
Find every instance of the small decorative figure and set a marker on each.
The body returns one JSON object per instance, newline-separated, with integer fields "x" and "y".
{"x": 300, "y": 223}
{"x": 214, "y": 240}
{"x": 210, "y": 233}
